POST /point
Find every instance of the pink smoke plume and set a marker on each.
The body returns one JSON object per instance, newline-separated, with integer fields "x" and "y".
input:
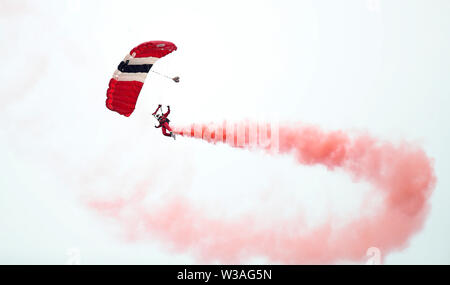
{"x": 402, "y": 174}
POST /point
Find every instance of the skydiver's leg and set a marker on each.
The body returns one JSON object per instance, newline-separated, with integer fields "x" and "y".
{"x": 164, "y": 131}
{"x": 166, "y": 125}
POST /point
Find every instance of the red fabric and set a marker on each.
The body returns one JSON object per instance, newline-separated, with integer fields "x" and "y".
{"x": 154, "y": 49}
{"x": 122, "y": 96}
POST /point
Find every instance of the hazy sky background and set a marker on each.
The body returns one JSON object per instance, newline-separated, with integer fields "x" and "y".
{"x": 376, "y": 66}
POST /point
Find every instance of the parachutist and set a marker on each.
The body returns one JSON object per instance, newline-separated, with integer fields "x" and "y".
{"x": 164, "y": 122}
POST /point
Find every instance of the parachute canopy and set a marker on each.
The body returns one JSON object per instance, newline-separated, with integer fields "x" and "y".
{"x": 128, "y": 79}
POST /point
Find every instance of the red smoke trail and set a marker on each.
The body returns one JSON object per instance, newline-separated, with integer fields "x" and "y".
{"x": 403, "y": 174}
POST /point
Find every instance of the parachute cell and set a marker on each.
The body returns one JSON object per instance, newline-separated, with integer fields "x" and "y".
{"x": 129, "y": 77}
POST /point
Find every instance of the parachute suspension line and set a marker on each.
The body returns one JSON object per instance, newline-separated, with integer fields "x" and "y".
{"x": 161, "y": 74}
{"x": 175, "y": 79}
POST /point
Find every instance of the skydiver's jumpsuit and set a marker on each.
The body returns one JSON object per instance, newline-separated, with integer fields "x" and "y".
{"x": 164, "y": 122}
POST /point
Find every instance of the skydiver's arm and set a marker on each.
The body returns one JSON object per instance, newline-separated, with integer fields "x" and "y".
{"x": 159, "y": 106}
{"x": 168, "y": 112}
{"x": 158, "y": 126}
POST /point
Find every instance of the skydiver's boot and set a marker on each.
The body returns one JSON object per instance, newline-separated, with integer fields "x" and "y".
{"x": 173, "y": 135}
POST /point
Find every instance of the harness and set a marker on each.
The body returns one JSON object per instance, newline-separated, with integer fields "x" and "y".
{"x": 164, "y": 120}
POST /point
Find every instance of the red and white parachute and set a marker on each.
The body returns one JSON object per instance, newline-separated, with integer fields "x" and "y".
{"x": 128, "y": 79}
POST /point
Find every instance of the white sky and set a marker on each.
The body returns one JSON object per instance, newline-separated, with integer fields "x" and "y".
{"x": 382, "y": 67}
